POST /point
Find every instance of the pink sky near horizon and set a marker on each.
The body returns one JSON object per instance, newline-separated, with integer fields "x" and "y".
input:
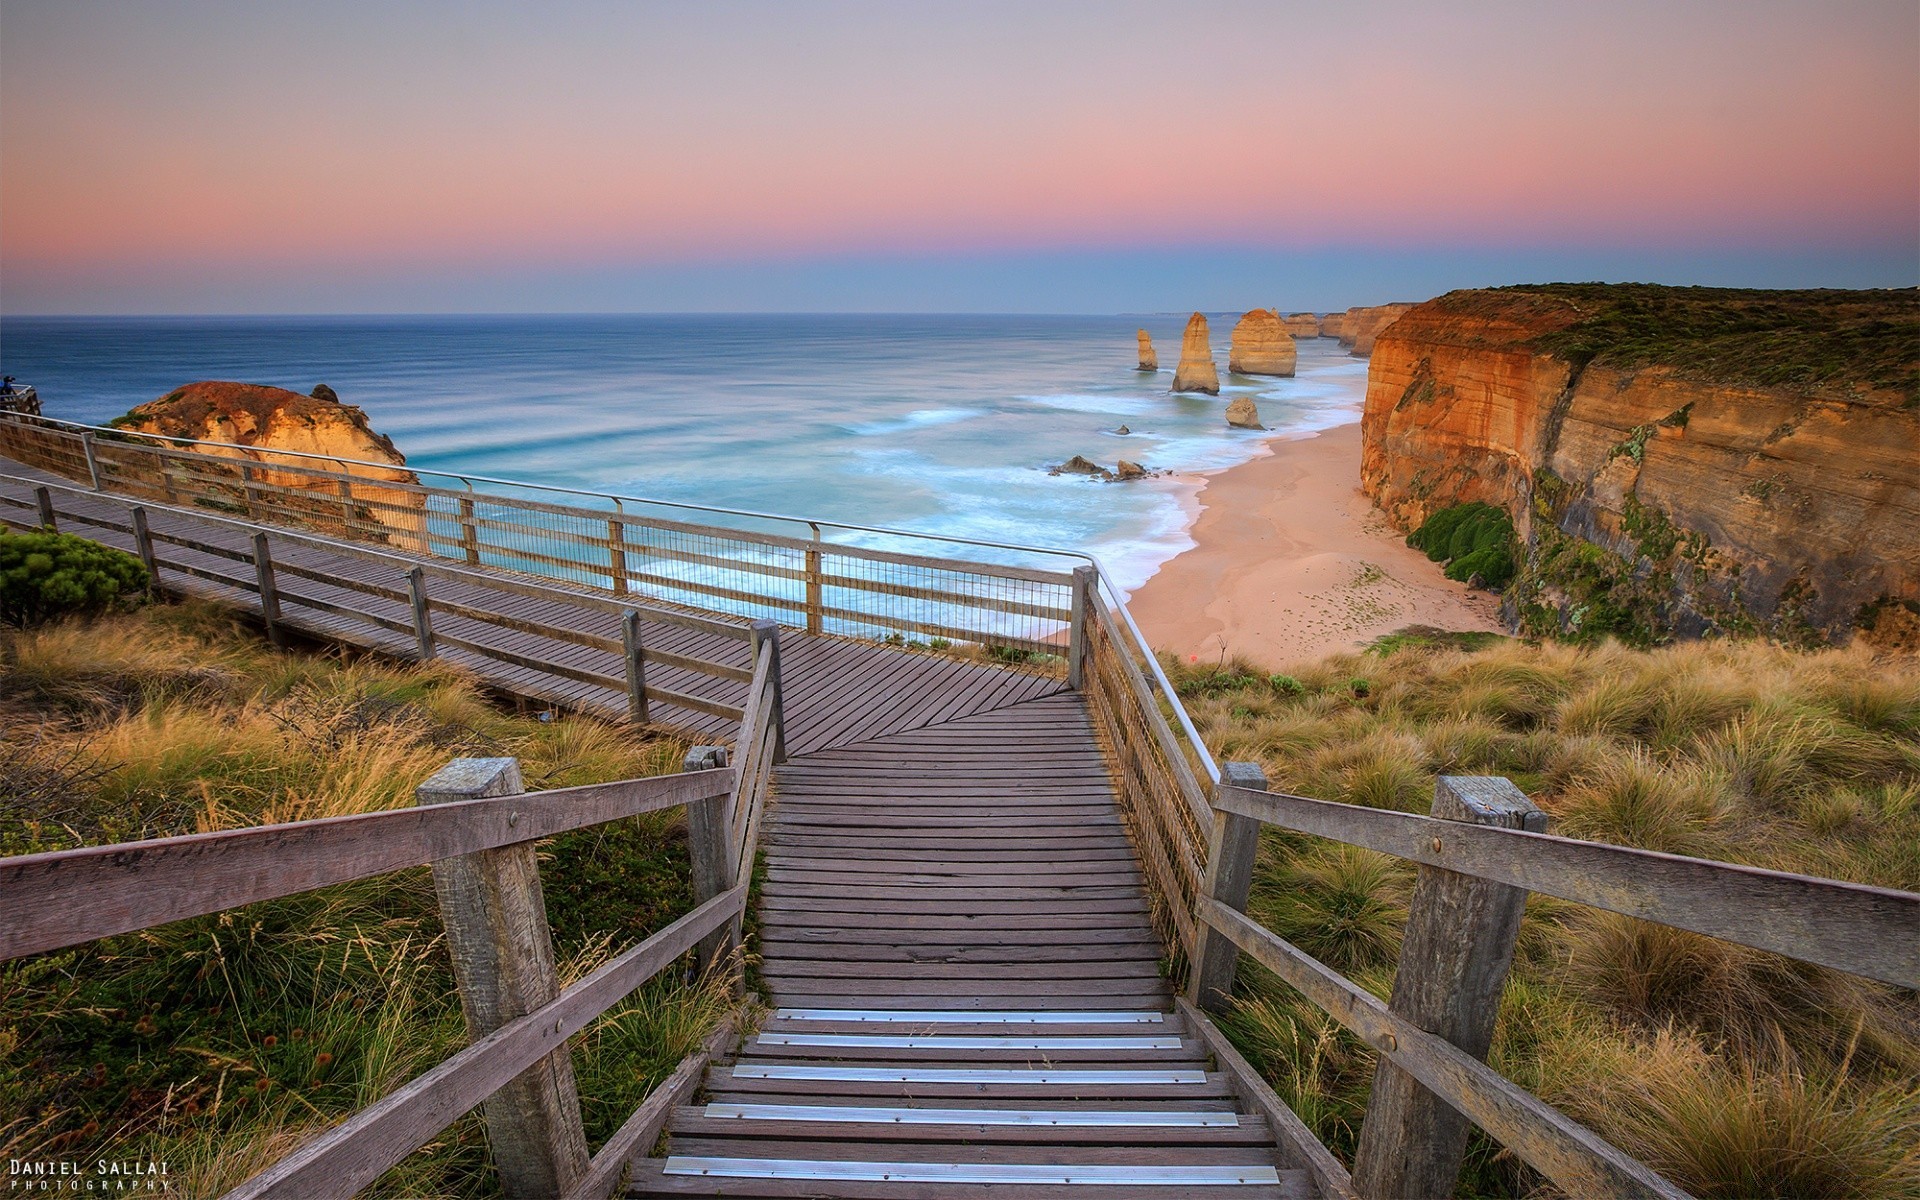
{"x": 245, "y": 141}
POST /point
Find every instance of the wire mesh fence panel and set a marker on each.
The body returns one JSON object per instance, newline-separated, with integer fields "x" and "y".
{"x": 1160, "y": 798}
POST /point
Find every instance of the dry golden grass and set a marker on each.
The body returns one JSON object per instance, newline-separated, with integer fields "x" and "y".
{"x": 1735, "y": 1071}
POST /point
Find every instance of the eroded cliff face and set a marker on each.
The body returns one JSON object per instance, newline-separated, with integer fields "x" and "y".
{"x": 1261, "y": 345}
{"x": 1301, "y": 324}
{"x": 1363, "y": 326}
{"x": 1652, "y": 498}
{"x": 255, "y": 421}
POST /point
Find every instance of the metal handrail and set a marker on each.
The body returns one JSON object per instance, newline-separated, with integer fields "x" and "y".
{"x": 1104, "y": 578}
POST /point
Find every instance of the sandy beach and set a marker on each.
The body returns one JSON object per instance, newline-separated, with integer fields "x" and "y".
{"x": 1293, "y": 564}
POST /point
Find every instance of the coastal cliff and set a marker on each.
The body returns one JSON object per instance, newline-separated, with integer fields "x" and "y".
{"x": 1676, "y": 461}
{"x": 1362, "y": 326}
{"x": 1301, "y": 325}
{"x": 1261, "y": 345}
{"x": 255, "y": 421}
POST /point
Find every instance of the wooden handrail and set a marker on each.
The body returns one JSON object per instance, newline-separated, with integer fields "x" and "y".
{"x": 356, "y": 1152}
{"x": 1573, "y": 1156}
{"x": 65, "y": 897}
{"x": 1852, "y": 927}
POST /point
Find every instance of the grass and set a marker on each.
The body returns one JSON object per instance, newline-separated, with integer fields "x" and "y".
{"x": 1735, "y": 1072}
{"x": 216, "y": 1044}
{"x": 1813, "y": 340}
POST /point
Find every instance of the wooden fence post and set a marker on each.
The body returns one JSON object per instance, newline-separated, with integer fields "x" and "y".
{"x": 143, "y": 545}
{"x": 763, "y": 633}
{"x": 636, "y": 667}
{"x": 469, "y": 532}
{"x": 709, "y": 824}
{"x": 816, "y": 617}
{"x": 269, "y": 593}
{"x": 1231, "y": 848}
{"x": 44, "y": 499}
{"x": 1453, "y": 964}
{"x": 496, "y": 922}
{"x": 93, "y": 463}
{"x": 246, "y": 489}
{"x": 1084, "y": 579}
{"x": 422, "y": 620}
{"x": 617, "y": 555}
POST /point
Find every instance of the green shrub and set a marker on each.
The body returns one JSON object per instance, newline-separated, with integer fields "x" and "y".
{"x": 1472, "y": 539}
{"x": 46, "y": 575}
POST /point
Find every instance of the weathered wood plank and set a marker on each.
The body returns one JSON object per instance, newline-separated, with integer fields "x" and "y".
{"x": 67, "y": 897}
{"x": 1849, "y": 926}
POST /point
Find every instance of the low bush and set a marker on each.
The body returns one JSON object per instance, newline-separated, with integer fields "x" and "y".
{"x": 44, "y": 575}
{"x": 1474, "y": 540}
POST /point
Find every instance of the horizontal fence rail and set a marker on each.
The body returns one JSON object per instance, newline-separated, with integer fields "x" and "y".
{"x": 1480, "y": 854}
{"x": 476, "y": 828}
{"x": 411, "y": 599}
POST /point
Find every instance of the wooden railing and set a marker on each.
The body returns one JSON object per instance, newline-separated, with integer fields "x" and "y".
{"x": 763, "y": 566}
{"x": 478, "y": 829}
{"x": 1156, "y": 774}
{"x": 412, "y": 602}
{"x": 1480, "y": 852}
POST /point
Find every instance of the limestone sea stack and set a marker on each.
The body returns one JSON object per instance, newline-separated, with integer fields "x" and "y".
{"x": 261, "y": 420}
{"x": 1301, "y": 324}
{"x": 1196, "y": 372}
{"x": 1243, "y": 414}
{"x": 1334, "y": 325}
{"x": 1261, "y": 346}
{"x": 1364, "y": 325}
{"x": 1149, "y": 361}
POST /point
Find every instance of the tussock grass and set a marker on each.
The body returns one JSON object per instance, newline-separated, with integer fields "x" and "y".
{"x": 219, "y": 1043}
{"x": 1735, "y": 1071}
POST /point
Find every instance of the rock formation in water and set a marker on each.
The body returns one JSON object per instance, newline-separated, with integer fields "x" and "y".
{"x": 1124, "y": 470}
{"x": 1301, "y": 324}
{"x": 1260, "y": 346}
{"x": 1661, "y": 479}
{"x": 266, "y": 419}
{"x": 1334, "y": 325}
{"x": 1149, "y": 361}
{"x": 1244, "y": 414}
{"x": 1196, "y": 372}
{"x": 1363, "y": 325}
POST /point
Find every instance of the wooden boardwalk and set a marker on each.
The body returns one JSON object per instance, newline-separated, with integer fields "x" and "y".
{"x": 953, "y": 927}
{"x": 836, "y": 691}
{"x": 968, "y": 993}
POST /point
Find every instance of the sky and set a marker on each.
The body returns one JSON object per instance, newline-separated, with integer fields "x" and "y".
{"x": 1041, "y": 156}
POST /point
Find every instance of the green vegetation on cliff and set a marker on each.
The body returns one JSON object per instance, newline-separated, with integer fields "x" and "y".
{"x": 1812, "y": 339}
{"x": 1733, "y": 1071}
{"x": 216, "y": 1044}
{"x": 1475, "y": 540}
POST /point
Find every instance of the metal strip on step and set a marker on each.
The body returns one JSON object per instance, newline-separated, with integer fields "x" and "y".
{"x": 956, "y": 1016}
{"x": 1093, "y": 1118}
{"x": 883, "y": 1041}
{"x": 960, "y": 1074}
{"x": 926, "y": 1172}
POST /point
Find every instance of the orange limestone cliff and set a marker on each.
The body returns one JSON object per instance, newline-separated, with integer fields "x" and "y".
{"x": 1149, "y": 361}
{"x": 1301, "y": 325}
{"x": 1261, "y": 346}
{"x": 1196, "y": 372}
{"x": 1662, "y": 474}
{"x": 1362, "y": 326}
{"x": 254, "y": 421}
{"x": 1334, "y": 325}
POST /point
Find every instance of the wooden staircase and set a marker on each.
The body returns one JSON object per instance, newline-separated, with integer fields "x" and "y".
{"x": 954, "y": 927}
{"x": 904, "y": 1103}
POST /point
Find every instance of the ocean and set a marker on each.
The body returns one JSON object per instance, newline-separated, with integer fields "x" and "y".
{"x": 943, "y": 424}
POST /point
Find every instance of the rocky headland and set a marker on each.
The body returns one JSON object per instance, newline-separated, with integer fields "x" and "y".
{"x": 1675, "y": 461}
{"x": 1361, "y": 327}
{"x": 1196, "y": 372}
{"x": 255, "y": 421}
{"x": 1261, "y": 345}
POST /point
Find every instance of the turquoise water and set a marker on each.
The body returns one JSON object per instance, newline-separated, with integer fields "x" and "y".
{"x": 935, "y": 423}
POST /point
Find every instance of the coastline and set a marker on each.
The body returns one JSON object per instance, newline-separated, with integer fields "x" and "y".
{"x": 1292, "y": 563}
